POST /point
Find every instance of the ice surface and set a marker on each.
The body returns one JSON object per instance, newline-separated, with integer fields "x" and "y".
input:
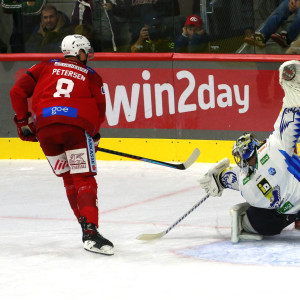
{"x": 42, "y": 257}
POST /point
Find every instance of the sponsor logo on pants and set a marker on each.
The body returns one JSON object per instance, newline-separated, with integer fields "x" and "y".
{"x": 59, "y": 163}
{"x": 78, "y": 160}
{"x": 91, "y": 152}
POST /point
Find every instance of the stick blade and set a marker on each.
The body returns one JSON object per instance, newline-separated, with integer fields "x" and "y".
{"x": 150, "y": 236}
{"x": 193, "y": 157}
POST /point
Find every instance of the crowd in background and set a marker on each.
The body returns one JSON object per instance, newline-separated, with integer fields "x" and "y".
{"x": 190, "y": 26}
{"x": 287, "y": 37}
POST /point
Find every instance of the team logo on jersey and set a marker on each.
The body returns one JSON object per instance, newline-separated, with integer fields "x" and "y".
{"x": 264, "y": 186}
{"x": 229, "y": 179}
{"x": 264, "y": 159}
{"x": 272, "y": 171}
{"x": 60, "y": 111}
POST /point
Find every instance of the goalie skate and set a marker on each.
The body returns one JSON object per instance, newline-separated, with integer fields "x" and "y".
{"x": 93, "y": 241}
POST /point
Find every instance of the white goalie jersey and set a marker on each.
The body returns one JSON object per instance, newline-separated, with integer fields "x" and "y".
{"x": 275, "y": 183}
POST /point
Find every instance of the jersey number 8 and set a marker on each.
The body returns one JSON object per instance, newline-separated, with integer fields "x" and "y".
{"x": 64, "y": 87}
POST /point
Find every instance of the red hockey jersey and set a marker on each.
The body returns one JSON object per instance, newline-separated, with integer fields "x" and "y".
{"x": 63, "y": 91}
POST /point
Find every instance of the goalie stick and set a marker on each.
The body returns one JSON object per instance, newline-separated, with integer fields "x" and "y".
{"x": 193, "y": 157}
{"x": 153, "y": 236}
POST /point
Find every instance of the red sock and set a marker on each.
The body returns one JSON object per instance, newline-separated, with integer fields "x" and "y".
{"x": 87, "y": 202}
{"x": 71, "y": 193}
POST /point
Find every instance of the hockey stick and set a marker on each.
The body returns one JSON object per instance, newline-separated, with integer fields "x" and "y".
{"x": 193, "y": 157}
{"x": 153, "y": 236}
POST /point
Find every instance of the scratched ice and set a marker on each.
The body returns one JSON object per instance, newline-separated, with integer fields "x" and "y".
{"x": 41, "y": 253}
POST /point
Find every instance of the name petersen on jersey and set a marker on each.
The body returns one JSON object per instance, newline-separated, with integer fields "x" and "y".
{"x": 69, "y": 73}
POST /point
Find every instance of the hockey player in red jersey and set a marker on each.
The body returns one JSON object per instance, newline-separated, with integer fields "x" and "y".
{"x": 68, "y": 107}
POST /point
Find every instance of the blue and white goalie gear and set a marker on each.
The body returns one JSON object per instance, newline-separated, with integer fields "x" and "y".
{"x": 230, "y": 178}
{"x": 210, "y": 181}
{"x": 241, "y": 228}
{"x": 289, "y": 79}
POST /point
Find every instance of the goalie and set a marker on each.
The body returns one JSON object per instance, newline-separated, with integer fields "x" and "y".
{"x": 267, "y": 173}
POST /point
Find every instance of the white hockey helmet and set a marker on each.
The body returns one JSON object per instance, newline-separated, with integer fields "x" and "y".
{"x": 71, "y": 45}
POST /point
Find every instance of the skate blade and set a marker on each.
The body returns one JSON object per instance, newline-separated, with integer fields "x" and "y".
{"x": 105, "y": 250}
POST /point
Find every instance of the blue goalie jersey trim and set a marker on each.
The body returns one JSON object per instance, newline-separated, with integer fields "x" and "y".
{"x": 293, "y": 163}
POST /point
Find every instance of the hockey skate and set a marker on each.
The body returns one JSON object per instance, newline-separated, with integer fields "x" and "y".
{"x": 93, "y": 241}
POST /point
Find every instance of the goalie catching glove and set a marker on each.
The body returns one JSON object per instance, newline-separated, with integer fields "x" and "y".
{"x": 210, "y": 182}
{"x": 26, "y": 129}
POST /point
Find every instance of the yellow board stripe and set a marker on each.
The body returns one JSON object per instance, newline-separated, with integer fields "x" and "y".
{"x": 159, "y": 149}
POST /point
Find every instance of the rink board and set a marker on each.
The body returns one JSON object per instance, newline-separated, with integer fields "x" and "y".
{"x": 159, "y": 149}
{"x": 163, "y": 106}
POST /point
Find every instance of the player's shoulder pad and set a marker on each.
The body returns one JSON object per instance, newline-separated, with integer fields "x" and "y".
{"x": 90, "y": 69}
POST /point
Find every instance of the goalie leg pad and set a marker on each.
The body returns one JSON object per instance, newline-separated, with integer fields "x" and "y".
{"x": 241, "y": 228}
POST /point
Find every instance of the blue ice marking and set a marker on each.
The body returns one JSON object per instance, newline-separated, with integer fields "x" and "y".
{"x": 266, "y": 252}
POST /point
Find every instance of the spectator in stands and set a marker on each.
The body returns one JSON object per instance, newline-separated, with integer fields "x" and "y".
{"x": 95, "y": 20}
{"x": 294, "y": 47}
{"x": 154, "y": 36}
{"x": 21, "y": 18}
{"x": 47, "y": 36}
{"x": 193, "y": 38}
{"x": 281, "y": 14}
{"x": 3, "y": 47}
{"x": 137, "y": 13}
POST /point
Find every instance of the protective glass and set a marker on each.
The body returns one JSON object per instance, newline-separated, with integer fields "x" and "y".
{"x": 90, "y": 53}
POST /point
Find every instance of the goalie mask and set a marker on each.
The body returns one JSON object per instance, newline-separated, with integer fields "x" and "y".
{"x": 244, "y": 148}
{"x": 71, "y": 45}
